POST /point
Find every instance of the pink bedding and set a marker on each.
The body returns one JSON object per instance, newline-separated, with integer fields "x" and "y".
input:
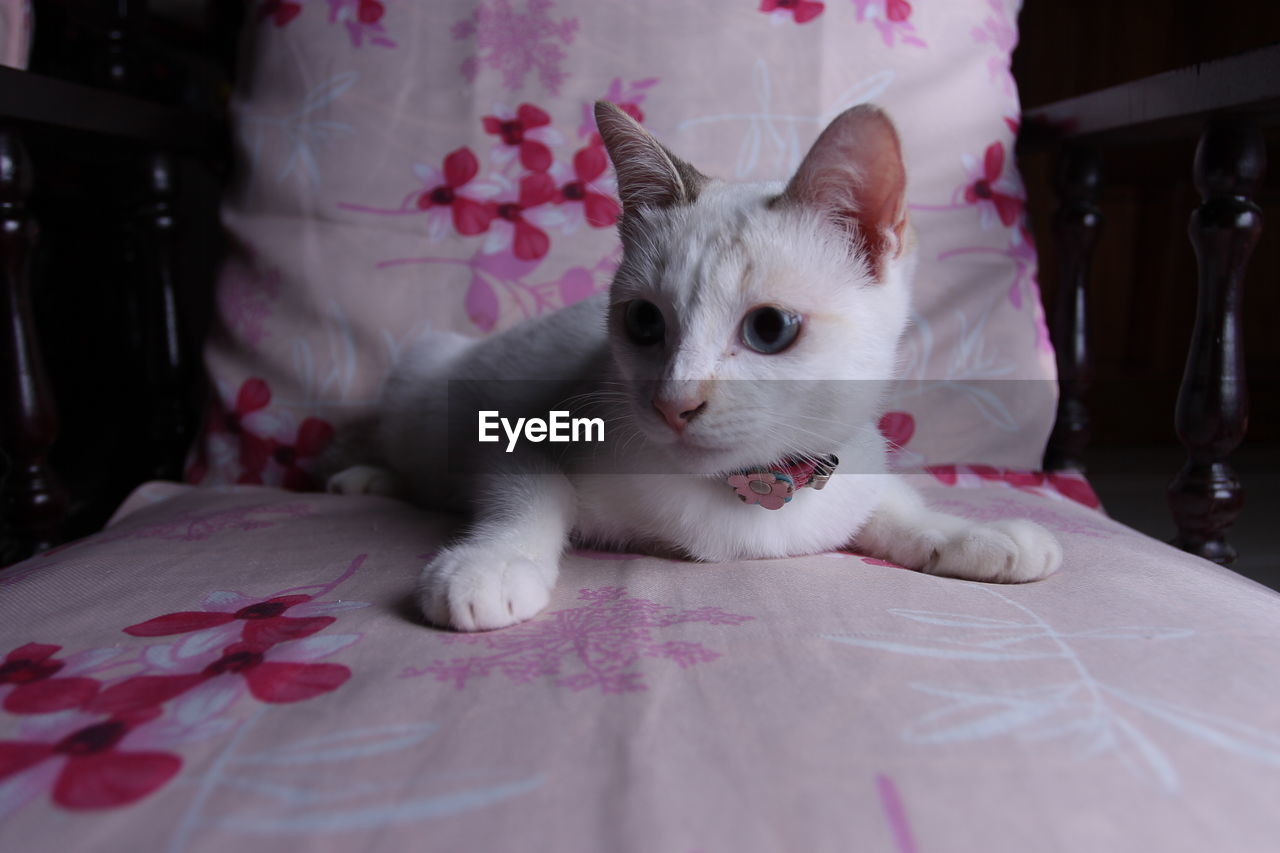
{"x": 241, "y": 668}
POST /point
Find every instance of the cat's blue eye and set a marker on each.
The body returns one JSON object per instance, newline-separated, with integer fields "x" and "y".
{"x": 769, "y": 330}
{"x": 644, "y": 322}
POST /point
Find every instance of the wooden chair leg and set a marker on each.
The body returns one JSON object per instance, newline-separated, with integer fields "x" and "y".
{"x": 1076, "y": 223}
{"x": 1206, "y": 497}
{"x": 33, "y": 503}
{"x": 165, "y": 349}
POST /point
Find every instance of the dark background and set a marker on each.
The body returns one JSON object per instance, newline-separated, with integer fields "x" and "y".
{"x": 1143, "y": 287}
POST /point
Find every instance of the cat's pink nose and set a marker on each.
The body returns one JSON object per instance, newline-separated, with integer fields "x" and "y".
{"x": 678, "y": 413}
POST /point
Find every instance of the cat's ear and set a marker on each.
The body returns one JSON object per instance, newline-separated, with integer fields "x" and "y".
{"x": 648, "y": 174}
{"x": 854, "y": 175}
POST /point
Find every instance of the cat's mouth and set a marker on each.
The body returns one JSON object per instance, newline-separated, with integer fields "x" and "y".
{"x": 703, "y": 458}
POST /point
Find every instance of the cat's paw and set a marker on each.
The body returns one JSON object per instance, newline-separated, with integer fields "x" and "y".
{"x": 363, "y": 480}
{"x": 1008, "y": 551}
{"x": 481, "y": 587}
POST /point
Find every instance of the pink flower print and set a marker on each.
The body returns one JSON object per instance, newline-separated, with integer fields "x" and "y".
{"x": 245, "y": 296}
{"x": 444, "y": 200}
{"x": 363, "y": 19}
{"x": 526, "y": 132}
{"x": 892, "y": 18}
{"x": 32, "y": 672}
{"x": 597, "y": 644}
{"x": 97, "y": 770}
{"x": 527, "y": 240}
{"x": 1000, "y": 30}
{"x": 517, "y": 43}
{"x": 876, "y": 561}
{"x": 768, "y": 489}
{"x": 280, "y": 12}
{"x": 193, "y": 526}
{"x": 802, "y": 10}
{"x": 586, "y": 188}
{"x": 991, "y": 189}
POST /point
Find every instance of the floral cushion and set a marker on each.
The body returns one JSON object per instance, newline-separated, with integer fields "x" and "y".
{"x": 409, "y": 167}
{"x": 242, "y": 668}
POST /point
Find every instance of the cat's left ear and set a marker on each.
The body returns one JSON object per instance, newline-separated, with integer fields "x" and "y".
{"x": 854, "y": 174}
{"x": 648, "y": 174}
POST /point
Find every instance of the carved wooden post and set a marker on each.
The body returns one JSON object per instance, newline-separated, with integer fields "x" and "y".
{"x": 33, "y": 503}
{"x": 164, "y": 350}
{"x": 1213, "y": 407}
{"x": 1077, "y": 180}
{"x": 117, "y": 69}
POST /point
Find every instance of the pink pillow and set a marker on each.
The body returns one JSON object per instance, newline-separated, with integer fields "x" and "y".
{"x": 409, "y": 167}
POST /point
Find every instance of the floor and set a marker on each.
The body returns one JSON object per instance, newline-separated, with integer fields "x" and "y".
{"x": 1131, "y": 482}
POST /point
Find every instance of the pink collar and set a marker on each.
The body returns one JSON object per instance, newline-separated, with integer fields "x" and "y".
{"x": 773, "y": 487}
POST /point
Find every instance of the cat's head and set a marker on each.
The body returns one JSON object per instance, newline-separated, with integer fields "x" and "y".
{"x": 755, "y": 321}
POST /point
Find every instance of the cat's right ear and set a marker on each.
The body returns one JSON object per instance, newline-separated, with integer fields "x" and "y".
{"x": 648, "y": 174}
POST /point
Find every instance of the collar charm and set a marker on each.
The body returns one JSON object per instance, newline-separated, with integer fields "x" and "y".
{"x": 774, "y": 487}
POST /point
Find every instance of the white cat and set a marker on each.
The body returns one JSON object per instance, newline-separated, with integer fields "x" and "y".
{"x": 747, "y": 335}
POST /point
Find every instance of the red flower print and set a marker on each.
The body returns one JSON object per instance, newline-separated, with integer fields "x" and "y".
{"x": 803, "y": 10}
{"x": 515, "y": 131}
{"x": 277, "y": 681}
{"x": 98, "y": 773}
{"x": 945, "y": 474}
{"x": 31, "y": 669}
{"x": 314, "y": 435}
{"x": 982, "y": 191}
{"x": 253, "y": 396}
{"x": 897, "y": 427}
{"x": 469, "y": 216}
{"x": 601, "y": 210}
{"x": 892, "y": 18}
{"x": 1076, "y": 488}
{"x": 529, "y": 242}
{"x": 265, "y": 622}
{"x": 897, "y": 10}
{"x": 362, "y": 19}
{"x": 280, "y": 12}
{"x": 141, "y": 692}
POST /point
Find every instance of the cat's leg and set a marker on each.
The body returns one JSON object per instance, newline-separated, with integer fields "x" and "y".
{"x": 503, "y": 569}
{"x": 905, "y": 531}
{"x": 365, "y": 480}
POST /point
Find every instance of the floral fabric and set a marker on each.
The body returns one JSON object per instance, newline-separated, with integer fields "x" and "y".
{"x": 242, "y": 668}
{"x": 408, "y": 167}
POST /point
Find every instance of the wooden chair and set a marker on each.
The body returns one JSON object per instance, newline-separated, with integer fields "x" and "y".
{"x": 110, "y": 105}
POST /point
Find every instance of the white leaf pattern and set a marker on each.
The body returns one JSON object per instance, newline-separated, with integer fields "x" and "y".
{"x": 1097, "y": 718}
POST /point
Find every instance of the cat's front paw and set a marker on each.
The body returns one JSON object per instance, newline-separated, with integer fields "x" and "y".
{"x": 1009, "y": 551}
{"x": 481, "y": 587}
